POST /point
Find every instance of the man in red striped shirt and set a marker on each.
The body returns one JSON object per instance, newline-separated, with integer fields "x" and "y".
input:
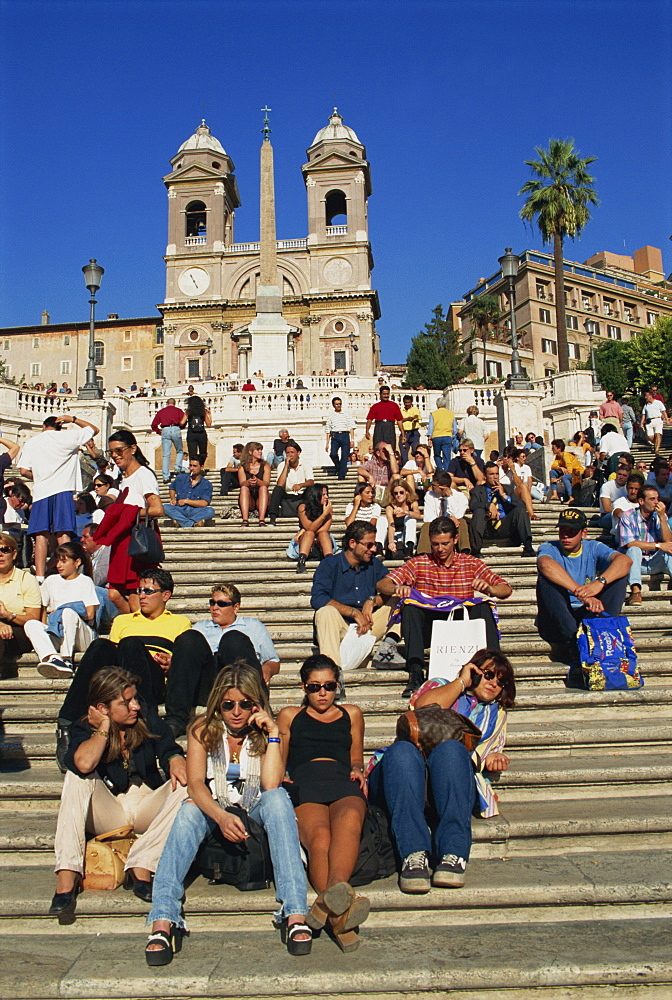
{"x": 443, "y": 573}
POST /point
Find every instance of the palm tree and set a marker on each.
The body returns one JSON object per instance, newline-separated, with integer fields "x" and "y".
{"x": 485, "y": 312}
{"x": 558, "y": 201}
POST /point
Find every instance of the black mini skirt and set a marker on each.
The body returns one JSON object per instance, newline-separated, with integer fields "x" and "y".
{"x": 322, "y": 781}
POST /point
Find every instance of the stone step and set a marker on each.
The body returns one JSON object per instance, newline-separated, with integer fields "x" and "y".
{"x": 393, "y": 961}
{"x": 527, "y": 824}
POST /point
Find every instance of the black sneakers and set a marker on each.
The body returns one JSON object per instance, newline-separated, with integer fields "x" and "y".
{"x": 415, "y": 876}
{"x": 449, "y": 873}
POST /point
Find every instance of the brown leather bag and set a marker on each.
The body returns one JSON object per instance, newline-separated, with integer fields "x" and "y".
{"x": 105, "y": 859}
{"x": 431, "y": 725}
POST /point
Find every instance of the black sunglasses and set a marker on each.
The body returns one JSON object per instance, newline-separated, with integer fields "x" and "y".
{"x": 147, "y": 591}
{"x": 228, "y": 705}
{"x": 491, "y": 675}
{"x": 5, "y": 549}
{"x": 314, "y": 688}
{"x": 220, "y": 604}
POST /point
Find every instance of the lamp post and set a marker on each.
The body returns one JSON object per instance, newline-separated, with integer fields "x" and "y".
{"x": 353, "y": 348}
{"x": 509, "y": 266}
{"x": 208, "y": 346}
{"x": 93, "y": 274}
{"x": 590, "y": 330}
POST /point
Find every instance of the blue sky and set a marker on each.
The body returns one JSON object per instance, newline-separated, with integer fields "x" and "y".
{"x": 449, "y": 98}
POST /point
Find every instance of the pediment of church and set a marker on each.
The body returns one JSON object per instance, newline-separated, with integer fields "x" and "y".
{"x": 334, "y": 158}
{"x": 195, "y": 172}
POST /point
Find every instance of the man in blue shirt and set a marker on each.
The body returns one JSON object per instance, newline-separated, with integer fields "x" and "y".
{"x": 344, "y": 591}
{"x": 190, "y": 497}
{"x": 235, "y": 637}
{"x": 577, "y": 579}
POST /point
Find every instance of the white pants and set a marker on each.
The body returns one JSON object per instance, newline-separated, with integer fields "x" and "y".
{"x": 88, "y": 805}
{"x": 77, "y": 636}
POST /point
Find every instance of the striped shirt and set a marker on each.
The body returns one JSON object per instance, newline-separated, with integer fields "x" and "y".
{"x": 426, "y": 574}
{"x": 340, "y": 423}
{"x": 633, "y": 528}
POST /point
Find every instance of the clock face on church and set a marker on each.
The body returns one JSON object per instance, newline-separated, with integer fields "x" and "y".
{"x": 194, "y": 281}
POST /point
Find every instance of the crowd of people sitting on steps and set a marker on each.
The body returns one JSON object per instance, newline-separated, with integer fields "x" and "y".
{"x": 78, "y": 588}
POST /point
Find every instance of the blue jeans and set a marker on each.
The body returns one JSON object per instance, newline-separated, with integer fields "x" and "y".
{"x": 627, "y": 431}
{"x": 555, "y": 475}
{"x": 106, "y": 610}
{"x": 408, "y": 444}
{"x": 339, "y": 453}
{"x": 274, "y": 812}
{"x": 443, "y": 447}
{"x": 398, "y": 784}
{"x": 658, "y": 562}
{"x": 273, "y": 459}
{"x": 187, "y": 517}
{"x": 171, "y": 437}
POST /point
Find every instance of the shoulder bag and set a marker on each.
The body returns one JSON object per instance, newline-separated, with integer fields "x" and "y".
{"x": 431, "y": 725}
{"x": 145, "y": 544}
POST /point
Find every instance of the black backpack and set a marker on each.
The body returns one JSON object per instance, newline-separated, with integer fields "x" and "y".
{"x": 376, "y": 855}
{"x": 246, "y": 866}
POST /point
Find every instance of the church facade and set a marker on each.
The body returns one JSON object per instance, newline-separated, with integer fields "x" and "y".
{"x": 328, "y": 305}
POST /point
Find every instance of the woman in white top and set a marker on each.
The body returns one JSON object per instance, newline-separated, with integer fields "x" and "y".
{"x": 53, "y": 641}
{"x": 515, "y": 473}
{"x": 139, "y": 494}
{"x": 365, "y": 508}
{"x": 402, "y": 514}
{"x": 474, "y": 428}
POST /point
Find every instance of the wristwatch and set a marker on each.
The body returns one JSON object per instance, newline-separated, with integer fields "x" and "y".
{"x": 600, "y": 579}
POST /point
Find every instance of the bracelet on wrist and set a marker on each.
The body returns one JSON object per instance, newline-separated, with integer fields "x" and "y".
{"x": 273, "y": 739}
{"x": 101, "y": 732}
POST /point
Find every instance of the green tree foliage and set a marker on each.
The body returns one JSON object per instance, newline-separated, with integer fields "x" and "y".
{"x": 485, "y": 314}
{"x": 558, "y": 200}
{"x": 643, "y": 361}
{"x": 435, "y": 359}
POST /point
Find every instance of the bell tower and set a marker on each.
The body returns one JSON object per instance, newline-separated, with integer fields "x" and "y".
{"x": 202, "y": 198}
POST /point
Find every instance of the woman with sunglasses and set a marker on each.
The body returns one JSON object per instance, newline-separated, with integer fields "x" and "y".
{"x": 402, "y": 513}
{"x": 453, "y": 778}
{"x": 103, "y": 486}
{"x": 322, "y": 749}
{"x": 139, "y": 495}
{"x": 233, "y": 759}
{"x": 112, "y": 780}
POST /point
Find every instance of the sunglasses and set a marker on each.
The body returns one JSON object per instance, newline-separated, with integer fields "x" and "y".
{"x": 368, "y": 545}
{"x": 314, "y": 688}
{"x": 490, "y": 675}
{"x": 6, "y": 549}
{"x": 147, "y": 591}
{"x": 220, "y": 604}
{"x": 228, "y": 705}
{"x": 116, "y": 452}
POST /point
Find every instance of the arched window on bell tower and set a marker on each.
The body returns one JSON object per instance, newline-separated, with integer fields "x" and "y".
{"x": 196, "y": 219}
{"x": 336, "y": 209}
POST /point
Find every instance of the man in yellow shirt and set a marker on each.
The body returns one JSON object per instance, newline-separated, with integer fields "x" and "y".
{"x": 410, "y": 438}
{"x": 565, "y": 471}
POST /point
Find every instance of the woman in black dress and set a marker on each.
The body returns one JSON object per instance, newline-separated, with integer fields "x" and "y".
{"x": 196, "y": 418}
{"x": 323, "y": 748}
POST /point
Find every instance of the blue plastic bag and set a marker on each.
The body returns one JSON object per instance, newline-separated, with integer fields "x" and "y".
{"x": 607, "y": 654}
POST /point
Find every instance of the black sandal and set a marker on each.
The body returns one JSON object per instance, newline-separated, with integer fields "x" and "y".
{"x": 171, "y": 941}
{"x": 289, "y": 933}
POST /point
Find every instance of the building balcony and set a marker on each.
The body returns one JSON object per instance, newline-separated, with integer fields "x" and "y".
{"x": 337, "y": 230}
{"x": 195, "y": 241}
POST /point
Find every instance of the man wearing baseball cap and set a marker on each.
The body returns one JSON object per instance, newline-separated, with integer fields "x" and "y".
{"x": 577, "y": 578}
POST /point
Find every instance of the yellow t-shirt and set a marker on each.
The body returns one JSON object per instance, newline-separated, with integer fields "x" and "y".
{"x": 411, "y": 420}
{"x": 20, "y": 590}
{"x": 158, "y": 634}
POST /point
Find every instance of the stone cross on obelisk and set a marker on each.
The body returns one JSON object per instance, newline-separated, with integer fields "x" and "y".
{"x": 269, "y": 331}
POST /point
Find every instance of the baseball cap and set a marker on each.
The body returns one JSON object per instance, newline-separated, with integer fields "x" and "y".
{"x": 572, "y": 518}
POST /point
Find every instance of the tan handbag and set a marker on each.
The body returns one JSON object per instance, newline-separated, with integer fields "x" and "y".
{"x": 105, "y": 859}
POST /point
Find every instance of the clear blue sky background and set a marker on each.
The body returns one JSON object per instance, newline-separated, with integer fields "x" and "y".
{"x": 449, "y": 98}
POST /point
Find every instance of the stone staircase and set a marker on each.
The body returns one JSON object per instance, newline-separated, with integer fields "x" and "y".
{"x": 568, "y": 891}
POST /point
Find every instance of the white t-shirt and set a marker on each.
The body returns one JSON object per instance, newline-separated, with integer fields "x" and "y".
{"x": 455, "y": 505}
{"x": 418, "y": 474}
{"x": 300, "y": 474}
{"x": 524, "y": 472}
{"x": 365, "y": 513}
{"x": 611, "y": 491}
{"x": 475, "y": 429}
{"x": 612, "y": 443}
{"x": 53, "y": 458}
{"x": 142, "y": 482}
{"x": 654, "y": 410}
{"x": 56, "y": 592}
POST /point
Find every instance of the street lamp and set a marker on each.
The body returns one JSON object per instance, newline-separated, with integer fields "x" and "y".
{"x": 590, "y": 330}
{"x": 509, "y": 266}
{"x": 93, "y": 274}
{"x": 353, "y": 348}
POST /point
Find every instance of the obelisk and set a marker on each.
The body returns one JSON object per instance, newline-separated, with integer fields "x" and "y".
{"x": 269, "y": 331}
